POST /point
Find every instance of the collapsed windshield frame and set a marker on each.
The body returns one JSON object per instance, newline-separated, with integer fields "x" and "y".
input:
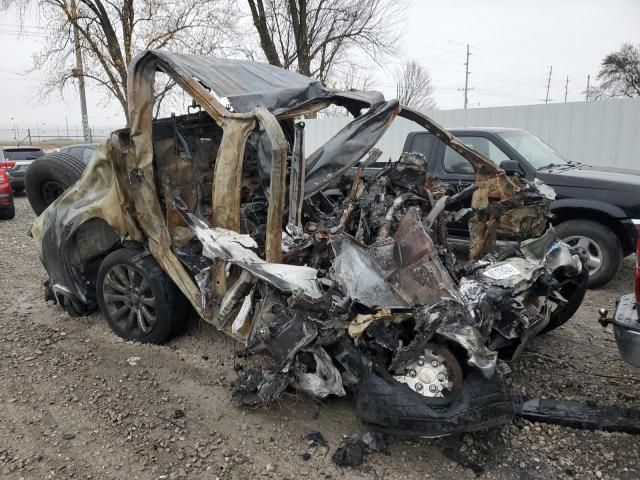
{"x": 547, "y": 156}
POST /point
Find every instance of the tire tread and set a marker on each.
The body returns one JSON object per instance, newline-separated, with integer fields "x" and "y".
{"x": 61, "y": 167}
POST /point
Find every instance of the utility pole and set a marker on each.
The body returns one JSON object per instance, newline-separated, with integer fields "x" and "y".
{"x": 466, "y": 80}
{"x": 588, "y": 86}
{"x": 78, "y": 72}
{"x": 566, "y": 89}
{"x": 15, "y": 129}
{"x": 546, "y": 99}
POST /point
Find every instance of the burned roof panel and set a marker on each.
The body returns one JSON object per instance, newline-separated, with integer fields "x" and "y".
{"x": 247, "y": 84}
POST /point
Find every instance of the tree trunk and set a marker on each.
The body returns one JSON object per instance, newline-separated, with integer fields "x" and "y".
{"x": 266, "y": 42}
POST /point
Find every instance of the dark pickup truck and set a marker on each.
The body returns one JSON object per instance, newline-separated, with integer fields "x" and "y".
{"x": 595, "y": 208}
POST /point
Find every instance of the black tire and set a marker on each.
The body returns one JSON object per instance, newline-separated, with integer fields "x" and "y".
{"x": 157, "y": 296}
{"x": 604, "y": 238}
{"x": 49, "y": 176}
{"x": 574, "y": 290}
{"x": 394, "y": 408}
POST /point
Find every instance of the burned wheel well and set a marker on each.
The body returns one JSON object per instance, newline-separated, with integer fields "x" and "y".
{"x": 565, "y": 214}
{"x": 92, "y": 241}
{"x": 93, "y": 238}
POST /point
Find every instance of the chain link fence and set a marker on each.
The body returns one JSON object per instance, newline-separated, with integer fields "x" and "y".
{"x": 50, "y": 135}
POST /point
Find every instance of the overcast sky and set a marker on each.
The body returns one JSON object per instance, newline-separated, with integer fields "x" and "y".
{"x": 513, "y": 43}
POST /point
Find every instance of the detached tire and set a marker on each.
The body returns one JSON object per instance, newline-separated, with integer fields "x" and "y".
{"x": 49, "y": 176}
{"x": 601, "y": 244}
{"x": 137, "y": 299}
{"x": 394, "y": 408}
{"x": 574, "y": 290}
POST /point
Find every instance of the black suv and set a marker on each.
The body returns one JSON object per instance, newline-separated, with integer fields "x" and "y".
{"x": 595, "y": 208}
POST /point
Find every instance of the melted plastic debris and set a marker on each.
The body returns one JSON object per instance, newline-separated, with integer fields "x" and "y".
{"x": 315, "y": 440}
{"x": 375, "y": 441}
{"x": 324, "y": 380}
{"x": 259, "y": 388}
{"x": 353, "y": 449}
{"x": 350, "y": 453}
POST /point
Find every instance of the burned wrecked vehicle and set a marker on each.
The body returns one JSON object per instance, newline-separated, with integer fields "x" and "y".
{"x": 222, "y": 211}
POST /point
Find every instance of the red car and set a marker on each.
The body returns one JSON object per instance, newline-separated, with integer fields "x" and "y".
{"x": 7, "y": 209}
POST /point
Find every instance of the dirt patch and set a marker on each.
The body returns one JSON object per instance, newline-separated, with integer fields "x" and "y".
{"x": 78, "y": 402}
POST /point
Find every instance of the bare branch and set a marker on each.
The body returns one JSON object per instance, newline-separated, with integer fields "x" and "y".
{"x": 312, "y": 35}
{"x": 413, "y": 86}
{"x": 112, "y": 32}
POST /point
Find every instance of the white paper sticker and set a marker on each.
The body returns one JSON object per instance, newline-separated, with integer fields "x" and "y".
{"x": 501, "y": 272}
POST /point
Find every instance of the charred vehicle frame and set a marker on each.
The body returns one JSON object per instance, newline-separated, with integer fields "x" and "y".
{"x": 221, "y": 211}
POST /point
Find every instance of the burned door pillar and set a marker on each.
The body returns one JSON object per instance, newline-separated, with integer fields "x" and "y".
{"x": 140, "y": 175}
{"x": 277, "y": 188}
{"x": 226, "y": 186}
{"x": 227, "y": 183}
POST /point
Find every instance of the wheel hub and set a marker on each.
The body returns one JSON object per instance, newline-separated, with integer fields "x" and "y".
{"x": 436, "y": 373}
{"x": 592, "y": 250}
{"x": 129, "y": 299}
{"x": 50, "y": 190}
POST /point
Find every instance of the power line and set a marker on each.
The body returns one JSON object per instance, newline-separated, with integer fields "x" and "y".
{"x": 12, "y": 72}
{"x": 484, "y": 71}
{"x": 21, "y": 34}
{"x": 433, "y": 47}
{"x": 566, "y": 89}
{"x": 500, "y": 93}
{"x": 509, "y": 65}
{"x": 509, "y": 86}
{"x": 18, "y": 25}
{"x": 427, "y": 60}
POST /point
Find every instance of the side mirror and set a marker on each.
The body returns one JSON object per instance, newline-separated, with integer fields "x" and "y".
{"x": 511, "y": 167}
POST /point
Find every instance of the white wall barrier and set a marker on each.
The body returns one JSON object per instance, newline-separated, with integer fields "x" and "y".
{"x": 604, "y": 133}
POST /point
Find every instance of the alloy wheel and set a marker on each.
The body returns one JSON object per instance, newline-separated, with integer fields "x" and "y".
{"x": 129, "y": 299}
{"x": 594, "y": 253}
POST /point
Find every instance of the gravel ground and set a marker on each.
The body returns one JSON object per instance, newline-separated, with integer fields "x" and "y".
{"x": 78, "y": 402}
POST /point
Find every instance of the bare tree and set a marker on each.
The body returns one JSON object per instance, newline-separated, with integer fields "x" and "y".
{"x": 620, "y": 72}
{"x": 112, "y": 32}
{"x": 316, "y": 36}
{"x": 351, "y": 76}
{"x": 593, "y": 93}
{"x": 413, "y": 86}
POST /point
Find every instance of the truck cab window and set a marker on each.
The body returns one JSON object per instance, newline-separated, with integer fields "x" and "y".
{"x": 422, "y": 143}
{"x": 456, "y": 163}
